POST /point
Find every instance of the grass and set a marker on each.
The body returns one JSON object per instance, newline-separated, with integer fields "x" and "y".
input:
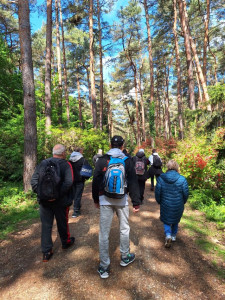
{"x": 206, "y": 236}
{"x": 16, "y": 207}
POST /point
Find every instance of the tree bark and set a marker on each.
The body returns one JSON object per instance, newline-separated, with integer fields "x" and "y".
{"x": 58, "y": 62}
{"x": 92, "y": 74}
{"x": 149, "y": 52}
{"x": 137, "y": 106}
{"x": 30, "y": 127}
{"x": 131, "y": 121}
{"x": 79, "y": 101}
{"x": 142, "y": 106}
{"x": 206, "y": 39}
{"x": 100, "y": 65}
{"x": 48, "y": 68}
{"x": 182, "y": 5}
{"x": 179, "y": 97}
{"x": 64, "y": 65}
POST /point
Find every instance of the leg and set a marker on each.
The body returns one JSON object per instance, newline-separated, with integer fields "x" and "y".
{"x": 141, "y": 188}
{"x": 61, "y": 215}
{"x": 152, "y": 183}
{"x": 78, "y": 191}
{"x": 106, "y": 216}
{"x": 47, "y": 218}
{"x": 123, "y": 215}
{"x": 174, "y": 229}
{"x": 167, "y": 230}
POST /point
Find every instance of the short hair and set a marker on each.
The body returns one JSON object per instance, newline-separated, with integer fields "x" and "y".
{"x": 78, "y": 149}
{"x": 172, "y": 165}
{"x": 117, "y": 141}
{"x": 58, "y": 149}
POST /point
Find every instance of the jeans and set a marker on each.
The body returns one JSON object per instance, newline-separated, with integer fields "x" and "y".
{"x": 170, "y": 229}
{"x": 78, "y": 189}
{"x": 106, "y": 216}
{"x": 47, "y": 214}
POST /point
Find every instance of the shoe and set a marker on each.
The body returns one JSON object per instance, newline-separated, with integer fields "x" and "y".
{"x": 127, "y": 260}
{"x": 173, "y": 238}
{"x": 67, "y": 245}
{"x": 104, "y": 273}
{"x": 76, "y": 214}
{"x": 47, "y": 256}
{"x": 168, "y": 241}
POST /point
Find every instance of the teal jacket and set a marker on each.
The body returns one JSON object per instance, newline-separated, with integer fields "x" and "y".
{"x": 171, "y": 193}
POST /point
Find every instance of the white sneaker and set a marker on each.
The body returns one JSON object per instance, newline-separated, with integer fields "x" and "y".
{"x": 168, "y": 241}
{"x": 173, "y": 238}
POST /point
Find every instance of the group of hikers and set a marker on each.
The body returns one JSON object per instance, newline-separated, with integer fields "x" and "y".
{"x": 59, "y": 183}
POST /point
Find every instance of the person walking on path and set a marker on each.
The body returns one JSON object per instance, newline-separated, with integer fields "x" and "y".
{"x": 96, "y": 156}
{"x": 77, "y": 160}
{"x": 54, "y": 198}
{"x": 171, "y": 193}
{"x": 112, "y": 199}
{"x": 140, "y": 164}
{"x": 156, "y": 167}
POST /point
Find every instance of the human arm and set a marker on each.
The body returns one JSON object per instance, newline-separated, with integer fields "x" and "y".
{"x": 158, "y": 190}
{"x": 185, "y": 190}
{"x": 34, "y": 179}
{"x": 98, "y": 176}
{"x": 132, "y": 182}
{"x": 67, "y": 174}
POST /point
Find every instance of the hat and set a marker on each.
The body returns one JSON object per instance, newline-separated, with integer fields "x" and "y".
{"x": 141, "y": 150}
{"x": 117, "y": 140}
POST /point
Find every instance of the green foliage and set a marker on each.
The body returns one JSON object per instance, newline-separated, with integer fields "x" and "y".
{"x": 15, "y": 207}
{"x": 217, "y": 93}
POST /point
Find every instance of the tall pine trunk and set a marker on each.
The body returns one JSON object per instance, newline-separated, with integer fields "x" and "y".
{"x": 58, "y": 63}
{"x": 149, "y": 53}
{"x": 142, "y": 107}
{"x": 188, "y": 54}
{"x": 48, "y": 57}
{"x": 92, "y": 68}
{"x": 79, "y": 100}
{"x": 64, "y": 65}
{"x": 179, "y": 96}
{"x": 206, "y": 39}
{"x": 30, "y": 127}
{"x": 100, "y": 65}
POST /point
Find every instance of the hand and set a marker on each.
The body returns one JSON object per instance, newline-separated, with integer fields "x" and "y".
{"x": 135, "y": 210}
{"x": 97, "y": 205}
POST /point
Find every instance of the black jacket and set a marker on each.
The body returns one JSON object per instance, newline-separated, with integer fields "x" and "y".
{"x": 141, "y": 154}
{"x": 77, "y": 168}
{"x": 98, "y": 178}
{"x": 66, "y": 174}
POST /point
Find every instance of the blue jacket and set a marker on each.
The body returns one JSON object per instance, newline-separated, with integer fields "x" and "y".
{"x": 171, "y": 193}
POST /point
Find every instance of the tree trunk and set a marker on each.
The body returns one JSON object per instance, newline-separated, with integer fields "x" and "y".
{"x": 48, "y": 68}
{"x": 137, "y": 106}
{"x": 179, "y": 97}
{"x": 92, "y": 74}
{"x": 131, "y": 122}
{"x": 157, "y": 117}
{"x": 100, "y": 66}
{"x": 30, "y": 127}
{"x": 64, "y": 65}
{"x": 58, "y": 62}
{"x": 182, "y": 6}
{"x": 142, "y": 108}
{"x": 79, "y": 101}
{"x": 109, "y": 119}
{"x": 200, "y": 99}
{"x": 149, "y": 52}
{"x": 206, "y": 39}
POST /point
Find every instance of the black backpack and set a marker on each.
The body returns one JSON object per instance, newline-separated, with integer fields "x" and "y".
{"x": 49, "y": 180}
{"x": 157, "y": 163}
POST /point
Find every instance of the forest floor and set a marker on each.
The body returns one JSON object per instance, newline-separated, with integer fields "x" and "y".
{"x": 181, "y": 272}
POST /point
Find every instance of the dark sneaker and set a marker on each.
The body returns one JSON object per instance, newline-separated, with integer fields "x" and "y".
{"x": 127, "y": 260}
{"x": 104, "y": 273}
{"x": 168, "y": 241}
{"x": 75, "y": 214}
{"x": 67, "y": 245}
{"x": 47, "y": 256}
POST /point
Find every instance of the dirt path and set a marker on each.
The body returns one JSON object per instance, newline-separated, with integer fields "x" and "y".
{"x": 157, "y": 273}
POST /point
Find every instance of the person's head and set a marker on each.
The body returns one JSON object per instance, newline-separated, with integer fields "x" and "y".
{"x": 172, "y": 165}
{"x": 141, "y": 150}
{"x": 153, "y": 151}
{"x": 100, "y": 151}
{"x": 59, "y": 151}
{"x": 78, "y": 149}
{"x": 117, "y": 141}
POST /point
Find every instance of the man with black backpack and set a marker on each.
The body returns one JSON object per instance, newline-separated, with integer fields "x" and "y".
{"x": 114, "y": 177}
{"x": 52, "y": 181}
{"x": 140, "y": 164}
{"x": 156, "y": 167}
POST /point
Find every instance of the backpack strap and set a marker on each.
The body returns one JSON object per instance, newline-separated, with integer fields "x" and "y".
{"x": 71, "y": 169}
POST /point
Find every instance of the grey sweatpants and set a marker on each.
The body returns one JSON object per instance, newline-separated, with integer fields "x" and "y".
{"x": 106, "y": 216}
